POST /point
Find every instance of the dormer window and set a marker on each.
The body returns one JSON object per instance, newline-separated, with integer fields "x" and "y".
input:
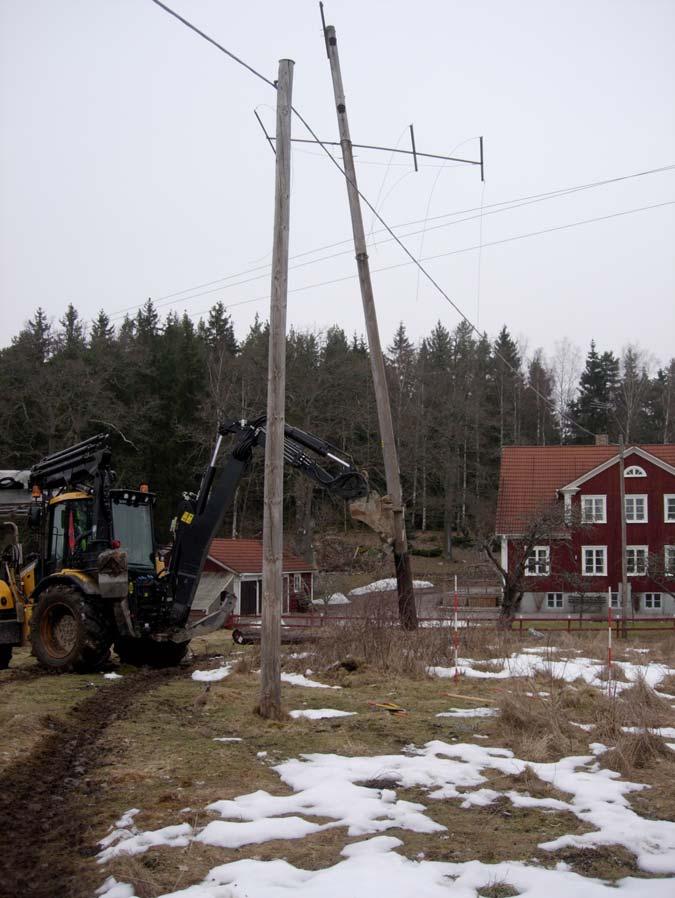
{"x": 634, "y": 471}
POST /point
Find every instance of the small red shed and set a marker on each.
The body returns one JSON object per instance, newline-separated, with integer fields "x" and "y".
{"x": 236, "y": 565}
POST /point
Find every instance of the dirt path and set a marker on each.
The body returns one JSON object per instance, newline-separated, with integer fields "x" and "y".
{"x": 46, "y": 799}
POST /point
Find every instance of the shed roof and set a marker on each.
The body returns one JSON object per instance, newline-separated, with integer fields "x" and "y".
{"x": 244, "y": 556}
{"x": 530, "y": 476}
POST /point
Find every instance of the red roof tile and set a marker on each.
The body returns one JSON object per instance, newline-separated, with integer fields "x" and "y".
{"x": 530, "y": 476}
{"x": 244, "y": 556}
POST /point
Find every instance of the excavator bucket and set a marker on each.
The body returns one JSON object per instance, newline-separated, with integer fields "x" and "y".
{"x": 376, "y": 512}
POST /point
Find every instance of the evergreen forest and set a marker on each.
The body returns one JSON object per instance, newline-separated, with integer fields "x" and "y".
{"x": 160, "y": 387}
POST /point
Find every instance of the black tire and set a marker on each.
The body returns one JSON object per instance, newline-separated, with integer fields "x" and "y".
{"x": 5, "y": 656}
{"x": 148, "y": 653}
{"x": 71, "y": 631}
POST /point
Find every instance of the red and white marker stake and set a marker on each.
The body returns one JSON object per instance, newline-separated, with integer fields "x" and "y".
{"x": 609, "y": 639}
{"x": 455, "y": 632}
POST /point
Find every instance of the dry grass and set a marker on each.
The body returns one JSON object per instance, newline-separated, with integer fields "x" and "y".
{"x": 536, "y": 726}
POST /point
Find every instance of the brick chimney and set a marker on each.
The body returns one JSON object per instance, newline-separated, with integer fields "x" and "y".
{"x": 601, "y": 439}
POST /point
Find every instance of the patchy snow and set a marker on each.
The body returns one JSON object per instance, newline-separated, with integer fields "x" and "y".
{"x": 469, "y": 712}
{"x": 212, "y": 676}
{"x": 386, "y": 586}
{"x": 338, "y": 598}
{"x": 112, "y": 676}
{"x": 171, "y": 836}
{"x": 227, "y": 739}
{"x": 522, "y": 664}
{"x": 111, "y": 888}
{"x": 374, "y": 867}
{"x": 320, "y": 713}
{"x": 665, "y": 732}
{"x": 299, "y": 680}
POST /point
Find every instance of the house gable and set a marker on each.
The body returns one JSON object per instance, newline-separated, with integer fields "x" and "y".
{"x": 573, "y": 487}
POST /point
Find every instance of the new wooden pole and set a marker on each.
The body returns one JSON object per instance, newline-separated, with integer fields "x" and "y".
{"x": 273, "y": 520}
{"x": 406, "y": 598}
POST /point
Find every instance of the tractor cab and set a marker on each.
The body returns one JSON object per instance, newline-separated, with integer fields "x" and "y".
{"x": 132, "y": 528}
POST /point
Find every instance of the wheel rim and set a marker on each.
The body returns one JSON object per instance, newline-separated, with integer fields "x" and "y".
{"x": 58, "y": 630}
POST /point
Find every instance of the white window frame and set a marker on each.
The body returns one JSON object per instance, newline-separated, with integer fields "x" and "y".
{"x": 614, "y": 599}
{"x": 594, "y": 518}
{"x": 634, "y": 550}
{"x": 594, "y": 572}
{"x": 645, "y": 519}
{"x": 668, "y": 497}
{"x": 555, "y": 600}
{"x": 652, "y": 601}
{"x": 297, "y": 583}
{"x": 534, "y": 561}
{"x": 669, "y": 561}
{"x": 634, "y": 471}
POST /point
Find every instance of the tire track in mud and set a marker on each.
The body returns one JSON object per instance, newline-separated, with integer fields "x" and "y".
{"x": 47, "y": 799}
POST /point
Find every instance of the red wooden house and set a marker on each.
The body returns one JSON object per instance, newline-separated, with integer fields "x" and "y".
{"x": 577, "y": 567}
{"x": 236, "y": 565}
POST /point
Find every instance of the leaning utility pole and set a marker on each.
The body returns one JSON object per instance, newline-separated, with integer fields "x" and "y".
{"x": 273, "y": 518}
{"x": 406, "y": 597}
{"x": 624, "y": 560}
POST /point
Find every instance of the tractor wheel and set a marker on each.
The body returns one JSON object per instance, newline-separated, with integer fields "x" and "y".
{"x": 148, "y": 653}
{"x": 5, "y": 656}
{"x": 70, "y": 631}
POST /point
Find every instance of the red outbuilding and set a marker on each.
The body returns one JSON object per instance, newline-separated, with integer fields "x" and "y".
{"x": 235, "y": 565}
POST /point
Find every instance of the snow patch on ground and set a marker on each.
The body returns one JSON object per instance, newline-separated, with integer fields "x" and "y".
{"x": 385, "y": 586}
{"x": 338, "y": 598}
{"x": 127, "y": 843}
{"x": 300, "y": 680}
{"x": 320, "y": 713}
{"x": 330, "y": 791}
{"x": 212, "y": 676}
{"x": 469, "y": 712}
{"x": 374, "y": 867}
{"x": 522, "y": 664}
{"x": 227, "y": 739}
{"x": 112, "y": 676}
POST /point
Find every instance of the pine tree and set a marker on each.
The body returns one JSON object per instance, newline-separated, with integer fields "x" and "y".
{"x": 219, "y": 331}
{"x": 102, "y": 331}
{"x": 594, "y": 407}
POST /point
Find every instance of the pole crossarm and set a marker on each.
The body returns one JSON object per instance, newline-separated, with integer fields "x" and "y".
{"x": 371, "y": 146}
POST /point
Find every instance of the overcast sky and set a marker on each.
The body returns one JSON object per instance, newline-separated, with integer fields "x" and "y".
{"x": 132, "y": 164}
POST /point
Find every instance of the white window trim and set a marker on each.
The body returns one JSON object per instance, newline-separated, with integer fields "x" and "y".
{"x": 669, "y": 569}
{"x": 586, "y": 573}
{"x": 638, "y": 573}
{"x": 614, "y": 599}
{"x": 554, "y": 606}
{"x": 600, "y": 520}
{"x": 645, "y": 519}
{"x": 652, "y": 607}
{"x": 634, "y": 471}
{"x": 297, "y": 583}
{"x": 666, "y": 497}
{"x": 537, "y": 561}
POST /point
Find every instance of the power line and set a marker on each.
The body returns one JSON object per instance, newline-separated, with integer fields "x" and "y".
{"x": 455, "y": 252}
{"x": 385, "y": 225}
{"x": 494, "y": 209}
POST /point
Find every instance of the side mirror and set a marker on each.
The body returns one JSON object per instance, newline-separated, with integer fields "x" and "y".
{"x": 34, "y": 517}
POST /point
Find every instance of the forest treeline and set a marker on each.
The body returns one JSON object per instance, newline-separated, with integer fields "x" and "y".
{"x": 162, "y": 386}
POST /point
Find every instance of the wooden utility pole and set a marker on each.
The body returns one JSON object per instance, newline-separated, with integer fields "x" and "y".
{"x": 273, "y": 519}
{"x": 406, "y": 597}
{"x": 624, "y": 560}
